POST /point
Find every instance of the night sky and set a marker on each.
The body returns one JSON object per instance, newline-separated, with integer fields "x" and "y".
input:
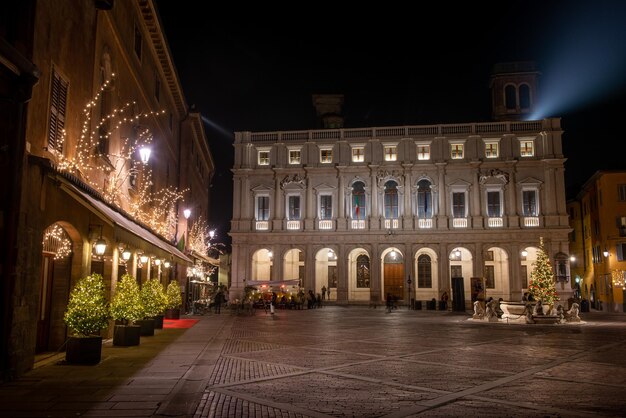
{"x": 400, "y": 67}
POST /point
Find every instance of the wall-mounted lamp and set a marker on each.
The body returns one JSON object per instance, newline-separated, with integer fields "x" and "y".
{"x": 143, "y": 258}
{"x": 330, "y": 253}
{"x": 457, "y": 253}
{"x": 100, "y": 246}
{"x": 572, "y": 258}
{"x": 211, "y": 233}
{"x": 126, "y": 254}
{"x": 166, "y": 264}
{"x": 393, "y": 254}
{"x": 187, "y": 213}
{"x": 605, "y": 253}
{"x": 144, "y": 153}
{"x": 157, "y": 261}
{"x": 270, "y": 254}
{"x": 524, "y": 253}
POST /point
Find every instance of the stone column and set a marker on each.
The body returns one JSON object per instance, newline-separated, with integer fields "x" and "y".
{"x": 443, "y": 210}
{"x": 342, "y": 275}
{"x": 374, "y": 215}
{"x": 375, "y": 278}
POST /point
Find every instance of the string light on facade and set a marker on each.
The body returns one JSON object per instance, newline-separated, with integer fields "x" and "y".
{"x": 56, "y": 238}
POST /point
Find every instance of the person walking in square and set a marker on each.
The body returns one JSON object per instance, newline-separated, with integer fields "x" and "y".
{"x": 323, "y": 292}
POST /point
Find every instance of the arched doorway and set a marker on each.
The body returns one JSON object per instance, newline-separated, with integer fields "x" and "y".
{"x": 393, "y": 273}
{"x": 326, "y": 272}
{"x": 359, "y": 275}
{"x": 496, "y": 273}
{"x": 56, "y": 269}
{"x": 262, "y": 265}
{"x": 293, "y": 265}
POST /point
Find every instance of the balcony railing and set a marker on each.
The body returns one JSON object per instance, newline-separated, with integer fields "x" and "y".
{"x": 531, "y": 221}
{"x": 262, "y": 225}
{"x": 399, "y": 131}
{"x": 425, "y": 223}
{"x": 358, "y": 224}
{"x": 293, "y": 225}
{"x": 325, "y": 224}
{"x": 495, "y": 222}
{"x": 459, "y": 222}
{"x": 392, "y": 224}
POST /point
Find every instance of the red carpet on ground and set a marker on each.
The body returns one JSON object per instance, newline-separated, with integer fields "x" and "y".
{"x": 179, "y": 323}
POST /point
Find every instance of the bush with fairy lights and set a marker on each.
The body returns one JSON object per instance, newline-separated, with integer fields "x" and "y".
{"x": 126, "y": 304}
{"x": 172, "y": 296}
{"x": 542, "y": 285}
{"x": 87, "y": 310}
{"x": 152, "y": 298}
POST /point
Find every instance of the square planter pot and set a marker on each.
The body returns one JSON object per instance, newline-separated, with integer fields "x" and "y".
{"x": 147, "y": 327}
{"x": 172, "y": 313}
{"x": 126, "y": 335}
{"x": 158, "y": 322}
{"x": 84, "y": 350}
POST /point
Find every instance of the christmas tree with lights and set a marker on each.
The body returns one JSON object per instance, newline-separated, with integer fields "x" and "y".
{"x": 152, "y": 298}
{"x": 126, "y": 304}
{"x": 87, "y": 310}
{"x": 174, "y": 300}
{"x": 541, "y": 285}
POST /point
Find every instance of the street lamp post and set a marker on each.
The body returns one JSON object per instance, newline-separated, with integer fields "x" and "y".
{"x": 410, "y": 302}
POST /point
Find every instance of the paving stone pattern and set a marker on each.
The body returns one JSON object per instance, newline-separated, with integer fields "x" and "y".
{"x": 342, "y": 362}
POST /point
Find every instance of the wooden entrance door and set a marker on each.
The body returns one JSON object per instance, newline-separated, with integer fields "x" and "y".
{"x": 394, "y": 280}
{"x": 43, "y": 315}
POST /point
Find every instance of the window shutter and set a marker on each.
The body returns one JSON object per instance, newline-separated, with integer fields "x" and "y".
{"x": 58, "y": 105}
{"x": 618, "y": 251}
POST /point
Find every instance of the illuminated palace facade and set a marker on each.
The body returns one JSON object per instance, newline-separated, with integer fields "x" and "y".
{"x": 410, "y": 211}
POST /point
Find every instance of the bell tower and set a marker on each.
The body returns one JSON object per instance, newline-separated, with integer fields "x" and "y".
{"x": 328, "y": 108}
{"x": 513, "y": 90}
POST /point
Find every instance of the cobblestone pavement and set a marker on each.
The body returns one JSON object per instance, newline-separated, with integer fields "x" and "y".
{"x": 363, "y": 362}
{"x": 342, "y": 361}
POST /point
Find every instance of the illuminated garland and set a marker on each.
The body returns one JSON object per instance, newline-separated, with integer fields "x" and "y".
{"x": 199, "y": 237}
{"x": 618, "y": 278}
{"x": 110, "y": 173}
{"x": 56, "y": 237}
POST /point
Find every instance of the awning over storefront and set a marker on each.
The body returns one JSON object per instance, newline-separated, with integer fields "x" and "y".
{"x": 125, "y": 230}
{"x": 212, "y": 261}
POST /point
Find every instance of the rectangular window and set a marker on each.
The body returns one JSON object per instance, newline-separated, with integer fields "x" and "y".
{"x": 458, "y": 205}
{"x": 391, "y": 153}
{"x": 620, "y": 251}
{"x": 58, "y": 106}
{"x": 264, "y": 158}
{"x": 294, "y": 208}
{"x": 423, "y": 152}
{"x": 294, "y": 156}
{"x": 326, "y": 155}
{"x": 358, "y": 154}
{"x": 527, "y": 148}
{"x": 491, "y": 150}
{"x": 621, "y": 192}
{"x": 490, "y": 277}
{"x": 529, "y": 203}
{"x": 137, "y": 42}
{"x": 263, "y": 208}
{"x": 391, "y": 204}
{"x": 456, "y": 151}
{"x": 493, "y": 205}
{"x": 326, "y": 206}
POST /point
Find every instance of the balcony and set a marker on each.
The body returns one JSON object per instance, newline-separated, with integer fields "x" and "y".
{"x": 459, "y": 222}
{"x": 392, "y": 224}
{"x": 425, "y": 223}
{"x": 358, "y": 224}
{"x": 495, "y": 222}
{"x": 293, "y": 225}
{"x": 325, "y": 224}
{"x": 531, "y": 221}
{"x": 262, "y": 225}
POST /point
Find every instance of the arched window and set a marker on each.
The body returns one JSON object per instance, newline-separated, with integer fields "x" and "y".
{"x": 524, "y": 96}
{"x": 424, "y": 200}
{"x": 358, "y": 200}
{"x": 363, "y": 271}
{"x": 424, "y": 271}
{"x": 510, "y": 99}
{"x": 391, "y": 200}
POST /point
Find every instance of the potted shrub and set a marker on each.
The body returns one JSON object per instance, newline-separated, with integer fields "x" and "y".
{"x": 126, "y": 309}
{"x": 153, "y": 302}
{"x": 87, "y": 313}
{"x": 173, "y": 301}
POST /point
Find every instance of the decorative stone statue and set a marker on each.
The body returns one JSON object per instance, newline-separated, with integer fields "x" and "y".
{"x": 479, "y": 312}
{"x": 572, "y": 314}
{"x": 560, "y": 314}
{"x": 528, "y": 311}
{"x": 491, "y": 313}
